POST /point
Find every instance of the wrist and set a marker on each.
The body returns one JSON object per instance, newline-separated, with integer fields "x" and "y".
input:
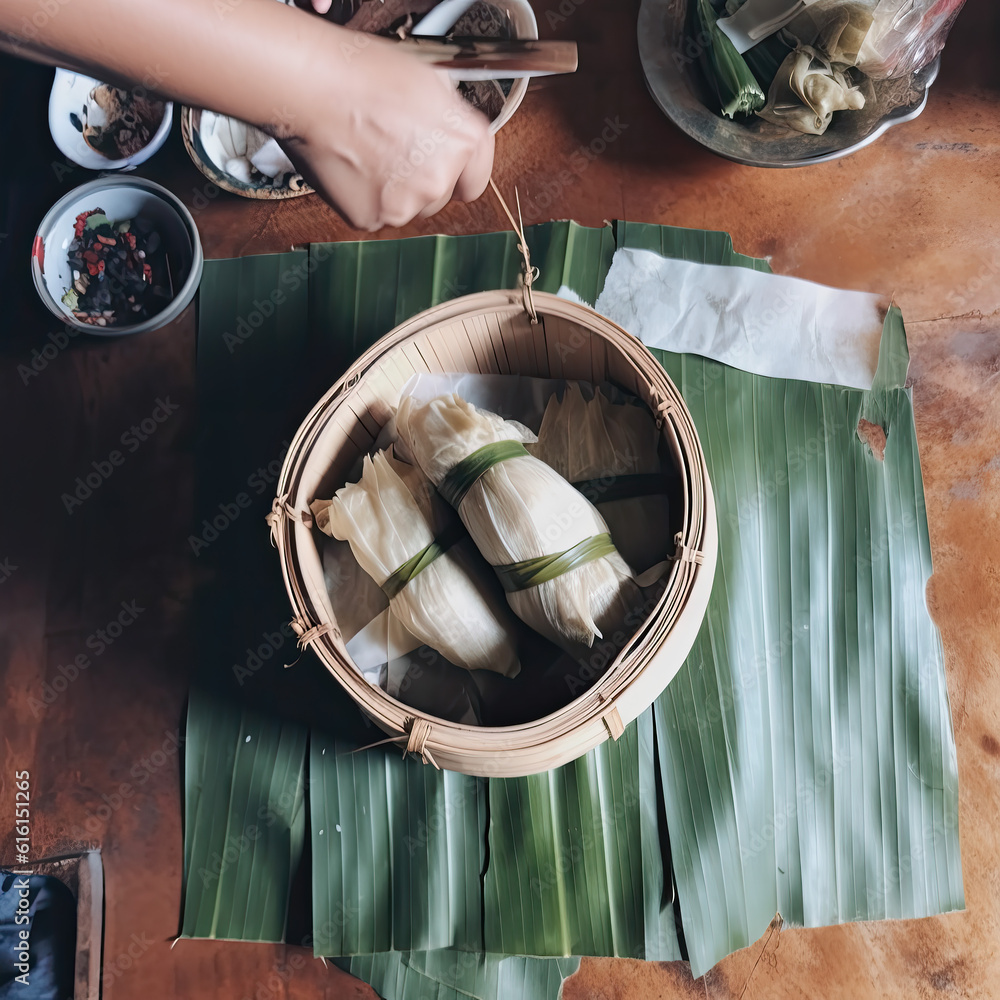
{"x": 337, "y": 73}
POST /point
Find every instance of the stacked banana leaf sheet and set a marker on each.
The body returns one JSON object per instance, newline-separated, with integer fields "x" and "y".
{"x": 802, "y": 762}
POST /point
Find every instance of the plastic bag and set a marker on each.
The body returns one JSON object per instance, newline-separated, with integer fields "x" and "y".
{"x": 905, "y": 36}
{"x": 883, "y": 38}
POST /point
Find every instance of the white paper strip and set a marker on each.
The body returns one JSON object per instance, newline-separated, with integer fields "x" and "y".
{"x": 767, "y": 324}
{"x": 757, "y": 19}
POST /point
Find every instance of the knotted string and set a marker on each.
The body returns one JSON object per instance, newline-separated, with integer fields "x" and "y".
{"x": 416, "y": 742}
{"x": 687, "y": 553}
{"x": 306, "y": 636}
{"x": 280, "y": 507}
{"x": 530, "y": 273}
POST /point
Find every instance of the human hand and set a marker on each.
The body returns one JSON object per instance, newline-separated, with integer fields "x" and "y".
{"x": 397, "y": 142}
{"x": 382, "y": 136}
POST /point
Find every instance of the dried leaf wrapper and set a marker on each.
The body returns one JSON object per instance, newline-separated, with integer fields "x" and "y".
{"x": 808, "y": 90}
{"x": 520, "y": 509}
{"x": 609, "y": 450}
{"x": 452, "y": 604}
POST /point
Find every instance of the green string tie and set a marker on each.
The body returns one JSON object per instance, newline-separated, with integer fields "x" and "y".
{"x": 532, "y": 572}
{"x": 466, "y": 474}
{"x": 398, "y": 580}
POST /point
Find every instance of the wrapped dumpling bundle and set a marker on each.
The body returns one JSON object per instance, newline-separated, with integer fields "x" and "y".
{"x": 408, "y": 540}
{"x": 610, "y": 452}
{"x": 808, "y": 90}
{"x": 549, "y": 545}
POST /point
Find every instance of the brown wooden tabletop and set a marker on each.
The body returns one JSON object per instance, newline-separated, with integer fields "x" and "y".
{"x": 917, "y": 214}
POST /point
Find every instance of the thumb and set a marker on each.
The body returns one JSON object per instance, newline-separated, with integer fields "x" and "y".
{"x": 476, "y": 175}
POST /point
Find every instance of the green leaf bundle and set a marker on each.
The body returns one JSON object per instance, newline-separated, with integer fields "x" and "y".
{"x": 735, "y": 85}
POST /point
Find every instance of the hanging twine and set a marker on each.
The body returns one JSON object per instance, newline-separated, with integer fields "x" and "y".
{"x": 529, "y": 273}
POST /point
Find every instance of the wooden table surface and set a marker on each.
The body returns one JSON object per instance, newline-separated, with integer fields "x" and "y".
{"x": 917, "y": 214}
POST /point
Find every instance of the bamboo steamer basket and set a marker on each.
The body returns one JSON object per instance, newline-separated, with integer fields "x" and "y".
{"x": 493, "y": 333}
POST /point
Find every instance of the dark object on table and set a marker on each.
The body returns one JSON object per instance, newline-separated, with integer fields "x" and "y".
{"x": 37, "y": 938}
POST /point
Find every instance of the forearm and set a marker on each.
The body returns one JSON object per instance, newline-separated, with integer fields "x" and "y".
{"x": 382, "y": 136}
{"x": 250, "y": 59}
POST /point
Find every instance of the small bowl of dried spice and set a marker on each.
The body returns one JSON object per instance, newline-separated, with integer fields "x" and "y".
{"x": 117, "y": 256}
{"x": 102, "y": 127}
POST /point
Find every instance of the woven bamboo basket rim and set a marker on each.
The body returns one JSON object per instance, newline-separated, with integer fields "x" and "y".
{"x": 634, "y": 679}
{"x": 191, "y": 135}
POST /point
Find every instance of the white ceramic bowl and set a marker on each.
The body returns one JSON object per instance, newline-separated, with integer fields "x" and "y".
{"x": 70, "y": 92}
{"x": 522, "y": 18}
{"x": 121, "y": 198}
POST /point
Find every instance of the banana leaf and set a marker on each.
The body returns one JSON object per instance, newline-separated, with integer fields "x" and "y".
{"x": 806, "y": 746}
{"x": 458, "y": 975}
{"x": 244, "y": 821}
{"x": 809, "y": 733}
{"x": 398, "y": 850}
{"x": 726, "y": 71}
{"x": 357, "y": 291}
{"x": 407, "y": 858}
{"x": 575, "y": 863}
{"x": 802, "y": 761}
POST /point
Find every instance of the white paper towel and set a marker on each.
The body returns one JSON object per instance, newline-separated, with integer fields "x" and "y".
{"x": 767, "y": 324}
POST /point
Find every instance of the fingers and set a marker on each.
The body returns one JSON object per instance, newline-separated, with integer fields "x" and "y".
{"x": 322, "y": 6}
{"x": 403, "y": 163}
{"x": 399, "y": 204}
{"x": 467, "y": 163}
{"x": 476, "y": 175}
{"x": 472, "y": 181}
{"x": 434, "y": 207}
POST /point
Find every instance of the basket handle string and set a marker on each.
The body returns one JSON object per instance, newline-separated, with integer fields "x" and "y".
{"x": 416, "y": 736}
{"x": 307, "y": 635}
{"x": 280, "y": 507}
{"x": 529, "y": 273}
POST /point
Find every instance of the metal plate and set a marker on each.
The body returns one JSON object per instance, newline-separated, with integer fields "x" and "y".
{"x": 670, "y": 57}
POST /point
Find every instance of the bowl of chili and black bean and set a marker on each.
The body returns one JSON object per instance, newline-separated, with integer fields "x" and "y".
{"x": 117, "y": 255}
